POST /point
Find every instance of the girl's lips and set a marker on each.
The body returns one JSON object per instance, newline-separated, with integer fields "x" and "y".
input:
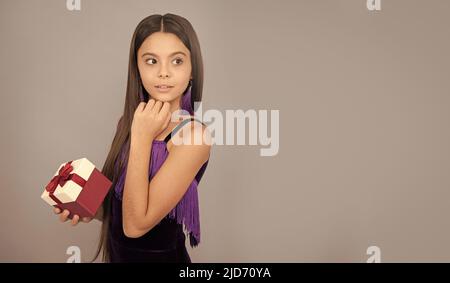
{"x": 163, "y": 88}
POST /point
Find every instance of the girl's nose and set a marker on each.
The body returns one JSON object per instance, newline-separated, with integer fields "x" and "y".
{"x": 163, "y": 71}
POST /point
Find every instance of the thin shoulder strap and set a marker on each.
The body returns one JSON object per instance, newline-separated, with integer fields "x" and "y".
{"x": 178, "y": 127}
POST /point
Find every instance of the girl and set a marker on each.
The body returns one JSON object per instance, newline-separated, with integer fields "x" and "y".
{"x": 154, "y": 191}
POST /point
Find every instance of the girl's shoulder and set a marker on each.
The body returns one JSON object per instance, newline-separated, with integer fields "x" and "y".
{"x": 195, "y": 123}
{"x": 198, "y": 132}
{"x": 192, "y": 120}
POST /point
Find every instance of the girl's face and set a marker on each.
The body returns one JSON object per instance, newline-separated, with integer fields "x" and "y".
{"x": 163, "y": 59}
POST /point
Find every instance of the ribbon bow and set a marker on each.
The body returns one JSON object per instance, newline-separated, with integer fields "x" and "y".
{"x": 60, "y": 179}
{"x": 63, "y": 176}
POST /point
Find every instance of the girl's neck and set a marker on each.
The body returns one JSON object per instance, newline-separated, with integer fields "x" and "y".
{"x": 175, "y": 105}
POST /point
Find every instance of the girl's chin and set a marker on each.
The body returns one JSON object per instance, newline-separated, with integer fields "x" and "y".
{"x": 163, "y": 98}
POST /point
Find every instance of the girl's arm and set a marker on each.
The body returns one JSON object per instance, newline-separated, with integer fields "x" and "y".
{"x": 146, "y": 204}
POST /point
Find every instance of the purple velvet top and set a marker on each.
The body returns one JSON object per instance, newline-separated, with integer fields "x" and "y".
{"x": 187, "y": 210}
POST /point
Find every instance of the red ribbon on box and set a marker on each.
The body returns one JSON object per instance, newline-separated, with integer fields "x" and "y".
{"x": 61, "y": 179}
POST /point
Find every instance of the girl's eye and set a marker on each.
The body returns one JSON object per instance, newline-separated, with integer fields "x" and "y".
{"x": 179, "y": 59}
{"x": 149, "y": 60}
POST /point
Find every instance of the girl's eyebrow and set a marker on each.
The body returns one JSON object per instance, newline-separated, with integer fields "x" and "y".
{"x": 174, "y": 53}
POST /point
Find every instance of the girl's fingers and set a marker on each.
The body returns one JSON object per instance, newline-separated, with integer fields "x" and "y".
{"x": 165, "y": 107}
{"x": 63, "y": 216}
{"x": 140, "y": 107}
{"x": 75, "y": 219}
{"x": 157, "y": 107}
{"x": 150, "y": 103}
{"x": 86, "y": 219}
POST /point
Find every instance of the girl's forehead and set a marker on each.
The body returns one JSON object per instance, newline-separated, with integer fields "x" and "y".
{"x": 163, "y": 44}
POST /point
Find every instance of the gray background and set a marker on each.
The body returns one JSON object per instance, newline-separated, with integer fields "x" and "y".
{"x": 364, "y": 124}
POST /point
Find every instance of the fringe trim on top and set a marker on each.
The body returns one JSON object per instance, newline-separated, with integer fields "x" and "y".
{"x": 187, "y": 212}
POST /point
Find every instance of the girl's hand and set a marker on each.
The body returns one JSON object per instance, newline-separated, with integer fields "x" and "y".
{"x": 63, "y": 217}
{"x": 150, "y": 119}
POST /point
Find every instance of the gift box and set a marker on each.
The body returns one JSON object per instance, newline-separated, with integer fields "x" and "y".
{"x": 77, "y": 186}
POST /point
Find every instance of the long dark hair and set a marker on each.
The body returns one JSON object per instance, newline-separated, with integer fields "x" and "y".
{"x": 118, "y": 154}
